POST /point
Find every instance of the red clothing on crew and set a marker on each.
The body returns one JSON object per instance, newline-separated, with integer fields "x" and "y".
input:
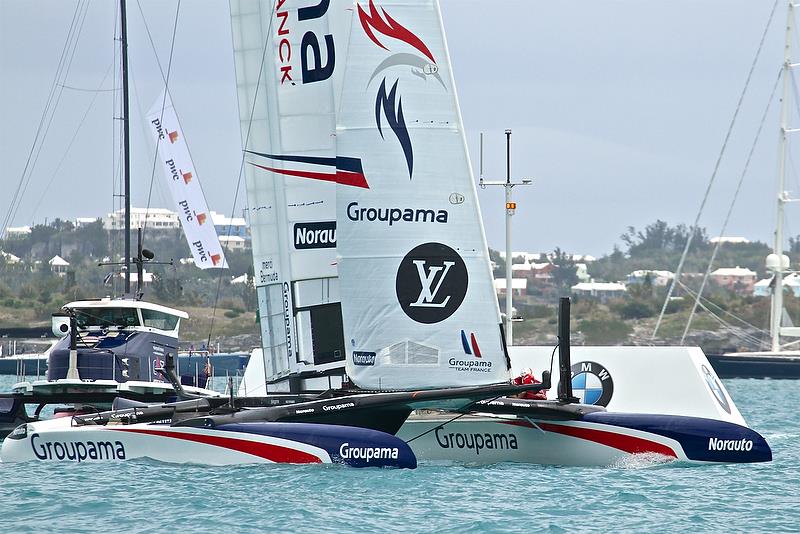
{"x": 530, "y": 379}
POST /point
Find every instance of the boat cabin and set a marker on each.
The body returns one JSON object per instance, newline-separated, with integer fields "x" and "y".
{"x": 128, "y": 315}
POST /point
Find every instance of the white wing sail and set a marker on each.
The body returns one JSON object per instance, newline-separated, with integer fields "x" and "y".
{"x": 289, "y": 56}
{"x": 418, "y": 303}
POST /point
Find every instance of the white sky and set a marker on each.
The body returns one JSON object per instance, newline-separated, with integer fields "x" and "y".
{"x": 618, "y": 107}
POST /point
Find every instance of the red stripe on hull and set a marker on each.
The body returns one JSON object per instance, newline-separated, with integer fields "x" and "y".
{"x": 623, "y": 442}
{"x": 273, "y": 453}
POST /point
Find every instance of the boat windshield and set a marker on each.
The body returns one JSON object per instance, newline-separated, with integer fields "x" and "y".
{"x": 160, "y": 320}
{"x": 105, "y": 317}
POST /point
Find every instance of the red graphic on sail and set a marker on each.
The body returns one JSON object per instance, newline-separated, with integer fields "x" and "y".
{"x": 475, "y": 348}
{"x": 215, "y": 258}
{"x": 173, "y": 136}
{"x": 390, "y": 28}
{"x": 340, "y": 170}
{"x": 201, "y": 218}
{"x": 187, "y": 177}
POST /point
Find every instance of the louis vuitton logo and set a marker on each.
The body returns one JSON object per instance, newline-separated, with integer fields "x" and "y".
{"x": 427, "y": 296}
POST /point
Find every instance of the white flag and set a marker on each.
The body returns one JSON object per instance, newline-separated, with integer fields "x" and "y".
{"x": 184, "y": 186}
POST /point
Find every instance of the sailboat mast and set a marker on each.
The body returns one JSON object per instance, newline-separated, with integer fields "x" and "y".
{"x": 777, "y": 295}
{"x": 126, "y": 166}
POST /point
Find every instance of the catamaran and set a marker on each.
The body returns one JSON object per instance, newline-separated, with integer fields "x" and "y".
{"x": 363, "y": 134}
{"x": 352, "y": 129}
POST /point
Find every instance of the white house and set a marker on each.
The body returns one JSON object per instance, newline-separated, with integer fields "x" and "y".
{"x": 9, "y": 258}
{"x": 763, "y": 288}
{"x": 735, "y": 278}
{"x": 18, "y": 232}
{"x": 601, "y": 290}
{"x": 58, "y": 265}
{"x": 156, "y": 218}
{"x": 232, "y": 242}
{"x": 229, "y": 226}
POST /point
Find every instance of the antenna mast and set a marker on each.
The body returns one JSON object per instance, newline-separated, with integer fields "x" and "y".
{"x": 126, "y": 144}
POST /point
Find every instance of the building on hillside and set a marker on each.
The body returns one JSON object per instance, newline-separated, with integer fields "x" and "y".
{"x": 233, "y": 242}
{"x": 156, "y": 219}
{"x": 521, "y": 270}
{"x": 729, "y": 240}
{"x": 763, "y": 288}
{"x": 599, "y": 290}
{"x": 58, "y": 265}
{"x": 737, "y": 279}
{"x": 535, "y": 272}
{"x": 231, "y": 226}
{"x": 17, "y": 232}
{"x": 542, "y": 272}
{"x": 9, "y": 258}
{"x": 657, "y": 278}
{"x": 243, "y": 279}
{"x": 518, "y": 286}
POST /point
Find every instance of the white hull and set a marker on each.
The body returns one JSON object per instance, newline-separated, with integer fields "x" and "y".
{"x": 58, "y": 440}
{"x": 480, "y": 440}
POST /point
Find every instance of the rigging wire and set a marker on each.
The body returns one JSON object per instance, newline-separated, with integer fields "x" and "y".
{"x": 52, "y": 116}
{"x": 84, "y": 89}
{"x": 74, "y": 137}
{"x": 747, "y": 338}
{"x": 713, "y": 177}
{"x": 164, "y": 100}
{"x": 718, "y": 244}
{"x": 792, "y": 165}
{"x": 722, "y": 310}
{"x": 62, "y": 69}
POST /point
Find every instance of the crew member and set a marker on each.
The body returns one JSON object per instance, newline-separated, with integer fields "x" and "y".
{"x": 526, "y": 377}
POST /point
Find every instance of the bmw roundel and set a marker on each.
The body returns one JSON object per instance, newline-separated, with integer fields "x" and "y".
{"x": 592, "y": 383}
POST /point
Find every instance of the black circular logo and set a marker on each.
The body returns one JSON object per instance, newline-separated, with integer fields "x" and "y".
{"x": 431, "y": 283}
{"x": 592, "y": 383}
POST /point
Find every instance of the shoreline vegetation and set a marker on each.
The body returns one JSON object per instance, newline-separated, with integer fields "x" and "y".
{"x": 31, "y": 289}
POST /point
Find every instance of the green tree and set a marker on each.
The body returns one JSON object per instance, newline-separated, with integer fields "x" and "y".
{"x": 564, "y": 274}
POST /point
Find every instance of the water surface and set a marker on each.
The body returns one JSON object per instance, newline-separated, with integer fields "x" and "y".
{"x": 142, "y": 496}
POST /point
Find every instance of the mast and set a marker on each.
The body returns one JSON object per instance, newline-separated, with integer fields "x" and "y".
{"x": 509, "y": 258}
{"x": 777, "y": 263}
{"x": 126, "y": 166}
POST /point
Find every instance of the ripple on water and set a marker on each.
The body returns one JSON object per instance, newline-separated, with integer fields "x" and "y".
{"x": 641, "y": 495}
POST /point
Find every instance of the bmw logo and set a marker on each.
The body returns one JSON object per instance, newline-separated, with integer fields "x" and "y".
{"x": 592, "y": 383}
{"x": 715, "y": 387}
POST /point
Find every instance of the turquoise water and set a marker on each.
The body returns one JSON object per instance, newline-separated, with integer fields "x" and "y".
{"x": 143, "y": 496}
